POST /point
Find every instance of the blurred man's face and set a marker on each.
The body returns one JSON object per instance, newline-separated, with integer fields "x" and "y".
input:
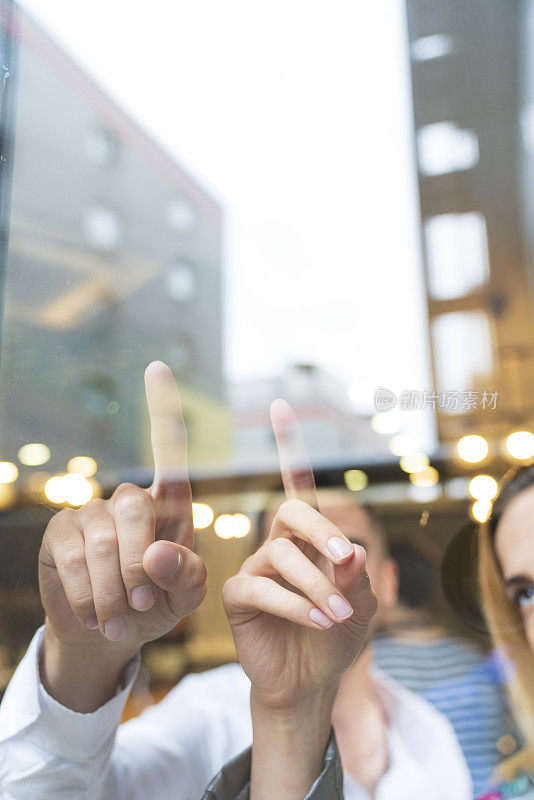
{"x": 354, "y": 523}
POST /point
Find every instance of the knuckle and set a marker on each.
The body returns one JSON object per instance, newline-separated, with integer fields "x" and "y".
{"x": 94, "y": 507}
{"x": 73, "y": 559}
{"x": 102, "y": 541}
{"x": 125, "y": 487}
{"x": 133, "y": 503}
{"x": 277, "y": 548}
{"x": 291, "y": 507}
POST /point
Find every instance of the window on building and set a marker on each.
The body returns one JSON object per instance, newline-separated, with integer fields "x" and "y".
{"x": 457, "y": 254}
{"x": 462, "y": 350}
{"x": 445, "y": 147}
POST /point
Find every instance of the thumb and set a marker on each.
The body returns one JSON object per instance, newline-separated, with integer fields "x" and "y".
{"x": 179, "y": 572}
{"x": 353, "y": 580}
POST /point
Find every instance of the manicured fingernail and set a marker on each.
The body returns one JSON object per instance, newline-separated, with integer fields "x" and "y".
{"x": 339, "y": 547}
{"x": 320, "y": 618}
{"x": 164, "y": 562}
{"x": 142, "y": 598}
{"x": 91, "y": 622}
{"x": 340, "y": 607}
{"x": 115, "y": 628}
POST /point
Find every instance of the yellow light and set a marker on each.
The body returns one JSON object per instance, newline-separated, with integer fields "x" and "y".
{"x": 54, "y": 489}
{"x": 472, "y": 448}
{"x": 242, "y": 526}
{"x": 414, "y": 462}
{"x": 83, "y": 465}
{"x": 33, "y": 455}
{"x": 72, "y": 488}
{"x": 483, "y": 487}
{"x": 385, "y": 422}
{"x": 481, "y": 510}
{"x": 202, "y": 516}
{"x": 8, "y": 472}
{"x": 520, "y": 445}
{"x": 401, "y": 445}
{"x": 232, "y": 526}
{"x": 78, "y": 490}
{"x": 425, "y": 478}
{"x": 356, "y": 479}
{"x": 225, "y": 526}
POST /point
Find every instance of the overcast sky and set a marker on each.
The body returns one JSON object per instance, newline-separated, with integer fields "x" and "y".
{"x": 296, "y": 115}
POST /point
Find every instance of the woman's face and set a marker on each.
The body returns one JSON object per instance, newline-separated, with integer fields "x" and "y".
{"x": 514, "y": 545}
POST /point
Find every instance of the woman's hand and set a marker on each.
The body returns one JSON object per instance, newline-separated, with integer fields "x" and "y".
{"x": 300, "y": 610}
{"x": 301, "y": 606}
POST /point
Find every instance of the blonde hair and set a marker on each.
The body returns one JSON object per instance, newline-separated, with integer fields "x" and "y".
{"x": 508, "y": 633}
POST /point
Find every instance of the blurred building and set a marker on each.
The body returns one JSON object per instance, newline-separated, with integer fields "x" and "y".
{"x": 333, "y": 432}
{"x": 473, "y": 98}
{"x": 115, "y": 260}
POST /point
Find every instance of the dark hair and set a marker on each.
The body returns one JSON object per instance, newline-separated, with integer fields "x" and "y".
{"x": 417, "y": 574}
{"x": 514, "y": 482}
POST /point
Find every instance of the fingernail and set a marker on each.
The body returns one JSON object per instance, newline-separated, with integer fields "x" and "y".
{"x": 115, "y": 628}
{"x": 164, "y": 562}
{"x": 320, "y": 618}
{"x": 339, "y": 547}
{"x": 91, "y": 622}
{"x": 340, "y": 607}
{"x": 142, "y": 598}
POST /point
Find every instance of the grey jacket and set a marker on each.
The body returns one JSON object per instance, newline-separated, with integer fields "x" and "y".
{"x": 233, "y": 781}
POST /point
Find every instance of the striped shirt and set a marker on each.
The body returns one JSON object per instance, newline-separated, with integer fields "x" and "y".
{"x": 453, "y": 674}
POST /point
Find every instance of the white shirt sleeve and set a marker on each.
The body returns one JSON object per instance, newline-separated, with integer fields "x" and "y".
{"x": 170, "y": 752}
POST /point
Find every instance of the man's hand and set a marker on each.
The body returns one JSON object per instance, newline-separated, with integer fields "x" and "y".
{"x": 121, "y": 572}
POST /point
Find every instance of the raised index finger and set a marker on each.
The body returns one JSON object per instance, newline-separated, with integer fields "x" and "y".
{"x": 295, "y": 466}
{"x": 171, "y": 490}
